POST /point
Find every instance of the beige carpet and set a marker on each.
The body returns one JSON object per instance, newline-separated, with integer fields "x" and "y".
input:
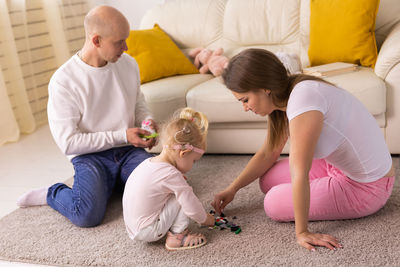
{"x": 40, "y": 235}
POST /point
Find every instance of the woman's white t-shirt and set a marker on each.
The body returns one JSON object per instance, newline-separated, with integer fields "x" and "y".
{"x": 350, "y": 138}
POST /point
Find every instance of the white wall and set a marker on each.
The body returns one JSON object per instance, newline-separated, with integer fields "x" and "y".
{"x": 132, "y": 9}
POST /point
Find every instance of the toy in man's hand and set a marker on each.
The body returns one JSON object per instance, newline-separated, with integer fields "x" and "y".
{"x": 146, "y": 125}
{"x": 207, "y": 60}
{"x": 222, "y": 223}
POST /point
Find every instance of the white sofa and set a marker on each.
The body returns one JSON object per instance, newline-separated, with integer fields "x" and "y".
{"x": 276, "y": 26}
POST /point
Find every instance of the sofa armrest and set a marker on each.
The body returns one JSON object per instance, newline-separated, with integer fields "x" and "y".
{"x": 392, "y": 130}
{"x": 389, "y": 55}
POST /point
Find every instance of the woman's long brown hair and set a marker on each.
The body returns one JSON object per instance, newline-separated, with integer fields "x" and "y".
{"x": 254, "y": 69}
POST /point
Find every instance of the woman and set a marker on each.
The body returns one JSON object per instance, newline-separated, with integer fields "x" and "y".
{"x": 339, "y": 166}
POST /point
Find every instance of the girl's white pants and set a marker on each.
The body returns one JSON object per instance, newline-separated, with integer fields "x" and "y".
{"x": 171, "y": 219}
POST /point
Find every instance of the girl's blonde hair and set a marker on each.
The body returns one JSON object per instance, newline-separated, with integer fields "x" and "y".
{"x": 186, "y": 126}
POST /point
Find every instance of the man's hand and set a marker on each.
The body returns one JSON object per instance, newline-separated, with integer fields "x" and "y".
{"x": 153, "y": 125}
{"x": 133, "y": 137}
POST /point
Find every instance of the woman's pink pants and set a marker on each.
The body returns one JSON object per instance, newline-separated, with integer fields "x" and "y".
{"x": 333, "y": 196}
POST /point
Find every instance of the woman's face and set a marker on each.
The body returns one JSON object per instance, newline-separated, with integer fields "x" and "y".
{"x": 260, "y": 101}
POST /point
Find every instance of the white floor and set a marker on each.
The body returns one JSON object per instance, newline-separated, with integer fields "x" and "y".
{"x": 32, "y": 162}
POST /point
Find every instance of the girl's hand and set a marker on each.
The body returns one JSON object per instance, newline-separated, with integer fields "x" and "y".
{"x": 307, "y": 240}
{"x": 222, "y": 199}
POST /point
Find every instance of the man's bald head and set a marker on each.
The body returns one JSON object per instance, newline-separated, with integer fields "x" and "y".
{"x": 103, "y": 21}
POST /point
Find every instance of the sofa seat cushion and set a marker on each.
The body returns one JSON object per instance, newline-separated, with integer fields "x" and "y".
{"x": 366, "y": 86}
{"x": 218, "y": 103}
{"x": 165, "y": 96}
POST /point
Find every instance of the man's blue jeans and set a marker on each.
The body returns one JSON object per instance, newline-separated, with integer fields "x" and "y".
{"x": 96, "y": 177}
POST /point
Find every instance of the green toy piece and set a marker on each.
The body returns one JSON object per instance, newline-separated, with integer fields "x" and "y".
{"x": 221, "y": 222}
{"x": 153, "y": 135}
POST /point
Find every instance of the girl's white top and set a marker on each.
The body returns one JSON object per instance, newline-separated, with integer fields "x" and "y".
{"x": 147, "y": 190}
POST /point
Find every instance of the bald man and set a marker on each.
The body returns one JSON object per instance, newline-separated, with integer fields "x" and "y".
{"x": 95, "y": 107}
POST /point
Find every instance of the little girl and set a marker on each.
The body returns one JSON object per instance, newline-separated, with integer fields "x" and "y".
{"x": 157, "y": 199}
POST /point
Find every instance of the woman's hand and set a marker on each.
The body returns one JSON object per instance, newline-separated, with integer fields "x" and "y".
{"x": 309, "y": 240}
{"x": 222, "y": 199}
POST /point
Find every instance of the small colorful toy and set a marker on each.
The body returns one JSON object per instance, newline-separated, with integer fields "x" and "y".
{"x": 222, "y": 223}
{"x": 146, "y": 126}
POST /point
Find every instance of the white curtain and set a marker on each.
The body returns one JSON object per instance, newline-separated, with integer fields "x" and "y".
{"x": 36, "y": 37}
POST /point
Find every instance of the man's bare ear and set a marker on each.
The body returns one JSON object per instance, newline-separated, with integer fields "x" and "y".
{"x": 182, "y": 153}
{"x": 96, "y": 40}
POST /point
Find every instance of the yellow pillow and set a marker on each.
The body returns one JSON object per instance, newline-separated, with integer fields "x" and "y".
{"x": 343, "y": 30}
{"x": 157, "y": 55}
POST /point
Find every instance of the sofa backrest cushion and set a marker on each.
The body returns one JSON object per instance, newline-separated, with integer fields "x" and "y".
{"x": 388, "y": 16}
{"x": 269, "y": 24}
{"x": 276, "y": 25}
{"x": 233, "y": 25}
{"x": 190, "y": 23}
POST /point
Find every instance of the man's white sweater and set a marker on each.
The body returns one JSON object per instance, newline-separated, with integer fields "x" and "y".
{"x": 90, "y": 109}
